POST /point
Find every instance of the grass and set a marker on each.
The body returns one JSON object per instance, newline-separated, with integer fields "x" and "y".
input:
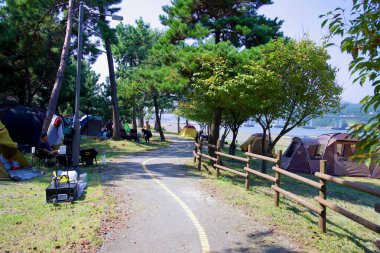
{"x": 29, "y": 225}
{"x": 113, "y": 149}
{"x": 343, "y": 235}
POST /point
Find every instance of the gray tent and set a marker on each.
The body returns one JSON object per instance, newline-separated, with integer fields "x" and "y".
{"x": 304, "y": 155}
{"x": 91, "y": 125}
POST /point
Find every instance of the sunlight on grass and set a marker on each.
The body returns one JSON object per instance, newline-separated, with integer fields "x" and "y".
{"x": 114, "y": 149}
{"x": 343, "y": 235}
{"x": 27, "y": 224}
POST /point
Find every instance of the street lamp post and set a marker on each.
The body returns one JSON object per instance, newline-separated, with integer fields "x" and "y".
{"x": 76, "y": 139}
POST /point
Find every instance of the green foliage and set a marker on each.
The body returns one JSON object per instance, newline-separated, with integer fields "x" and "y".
{"x": 292, "y": 81}
{"x": 31, "y": 37}
{"x": 360, "y": 35}
{"x": 134, "y": 43}
{"x": 198, "y": 111}
{"x": 234, "y": 21}
{"x": 211, "y": 68}
{"x": 94, "y": 95}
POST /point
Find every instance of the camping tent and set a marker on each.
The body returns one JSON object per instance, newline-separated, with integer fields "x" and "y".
{"x": 23, "y": 123}
{"x": 9, "y": 151}
{"x": 190, "y": 132}
{"x": 91, "y": 125}
{"x": 256, "y": 143}
{"x": 304, "y": 155}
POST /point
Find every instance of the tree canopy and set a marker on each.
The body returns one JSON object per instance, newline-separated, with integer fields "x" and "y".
{"x": 236, "y": 21}
{"x": 292, "y": 81}
{"x": 360, "y": 33}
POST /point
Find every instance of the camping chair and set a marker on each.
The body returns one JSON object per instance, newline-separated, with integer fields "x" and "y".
{"x": 38, "y": 156}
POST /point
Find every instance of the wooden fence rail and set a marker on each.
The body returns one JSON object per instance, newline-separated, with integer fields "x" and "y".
{"x": 353, "y": 185}
{"x": 323, "y": 204}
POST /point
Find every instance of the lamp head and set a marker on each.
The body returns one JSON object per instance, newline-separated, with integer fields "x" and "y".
{"x": 116, "y": 17}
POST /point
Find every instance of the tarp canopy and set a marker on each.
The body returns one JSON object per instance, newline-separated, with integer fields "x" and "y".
{"x": 188, "y": 132}
{"x": 304, "y": 155}
{"x": 256, "y": 144}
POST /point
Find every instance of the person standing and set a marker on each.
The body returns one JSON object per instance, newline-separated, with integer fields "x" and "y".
{"x": 147, "y": 126}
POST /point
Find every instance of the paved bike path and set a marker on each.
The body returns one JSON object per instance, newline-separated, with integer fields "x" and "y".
{"x": 169, "y": 211}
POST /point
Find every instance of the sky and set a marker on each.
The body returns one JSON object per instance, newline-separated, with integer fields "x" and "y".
{"x": 300, "y": 17}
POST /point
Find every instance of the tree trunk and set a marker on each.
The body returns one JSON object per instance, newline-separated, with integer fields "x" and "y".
{"x": 263, "y": 149}
{"x": 61, "y": 70}
{"x": 140, "y": 116}
{"x": 214, "y": 129}
{"x": 29, "y": 96}
{"x": 158, "y": 118}
{"x": 134, "y": 120}
{"x": 178, "y": 121}
{"x": 217, "y": 37}
{"x": 116, "y": 135}
{"x": 141, "y": 121}
{"x": 224, "y": 136}
{"x": 232, "y": 150}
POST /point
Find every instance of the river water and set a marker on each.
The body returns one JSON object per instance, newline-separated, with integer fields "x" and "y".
{"x": 169, "y": 122}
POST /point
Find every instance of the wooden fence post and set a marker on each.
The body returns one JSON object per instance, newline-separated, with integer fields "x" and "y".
{"x": 218, "y": 158}
{"x": 248, "y": 166}
{"x": 278, "y": 180}
{"x": 322, "y": 195}
{"x": 200, "y": 157}
{"x": 377, "y": 209}
{"x": 196, "y": 151}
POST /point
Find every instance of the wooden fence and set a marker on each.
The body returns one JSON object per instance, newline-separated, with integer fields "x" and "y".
{"x": 321, "y": 199}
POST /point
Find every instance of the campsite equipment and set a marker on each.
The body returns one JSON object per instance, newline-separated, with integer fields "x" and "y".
{"x": 88, "y": 156}
{"x": 62, "y": 150}
{"x": 104, "y": 159}
{"x": 256, "y": 144}
{"x": 83, "y": 177}
{"x": 188, "y": 132}
{"x": 62, "y": 192}
{"x": 10, "y": 152}
{"x": 68, "y": 142}
{"x": 63, "y": 187}
{"x": 91, "y": 125}
{"x": 70, "y": 175}
{"x": 304, "y": 155}
{"x": 23, "y": 123}
{"x": 38, "y": 157}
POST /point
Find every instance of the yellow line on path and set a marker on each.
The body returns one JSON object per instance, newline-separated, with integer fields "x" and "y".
{"x": 201, "y": 232}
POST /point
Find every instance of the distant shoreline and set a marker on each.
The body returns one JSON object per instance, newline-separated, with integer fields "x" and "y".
{"x": 169, "y": 122}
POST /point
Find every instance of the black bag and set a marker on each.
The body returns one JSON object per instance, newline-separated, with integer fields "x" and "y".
{"x": 88, "y": 156}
